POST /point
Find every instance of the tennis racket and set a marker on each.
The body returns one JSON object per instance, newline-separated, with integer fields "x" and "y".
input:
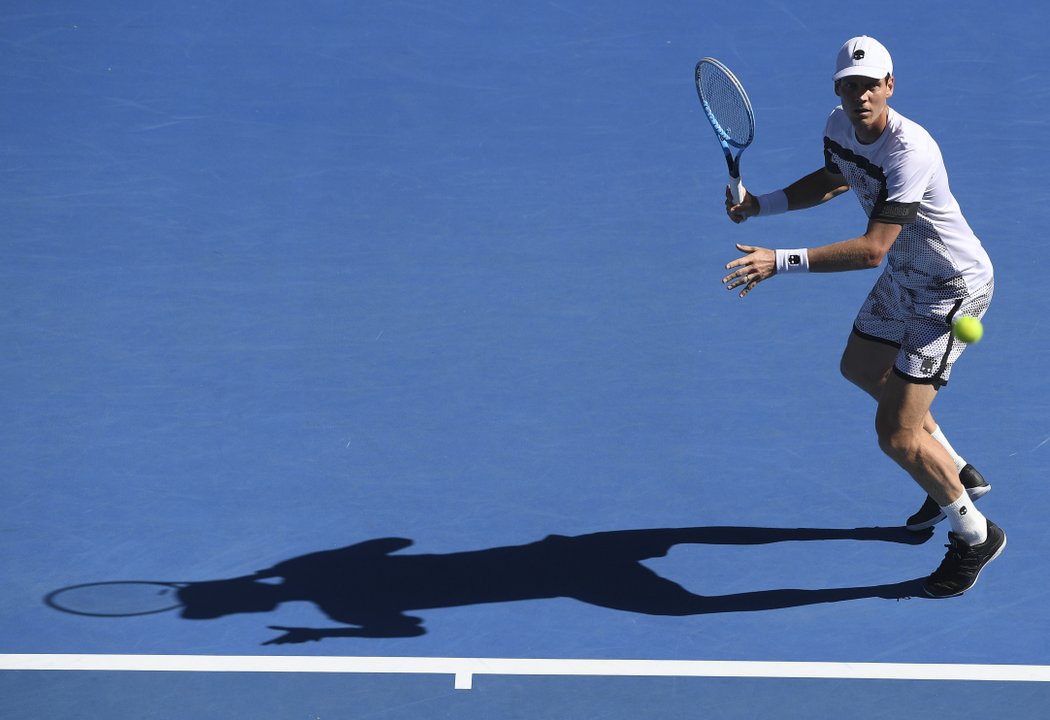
{"x": 117, "y": 599}
{"x": 729, "y": 110}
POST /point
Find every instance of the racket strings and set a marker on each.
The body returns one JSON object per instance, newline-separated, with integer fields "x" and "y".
{"x": 727, "y": 104}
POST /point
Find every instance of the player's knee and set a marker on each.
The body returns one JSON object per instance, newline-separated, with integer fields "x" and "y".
{"x": 896, "y": 441}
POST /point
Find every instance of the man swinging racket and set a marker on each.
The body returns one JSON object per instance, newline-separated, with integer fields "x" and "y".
{"x": 902, "y": 349}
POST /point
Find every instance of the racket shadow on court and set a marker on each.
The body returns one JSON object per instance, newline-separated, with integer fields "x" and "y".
{"x": 370, "y": 588}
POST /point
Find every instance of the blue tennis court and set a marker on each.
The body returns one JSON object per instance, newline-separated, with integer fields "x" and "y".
{"x": 390, "y": 334}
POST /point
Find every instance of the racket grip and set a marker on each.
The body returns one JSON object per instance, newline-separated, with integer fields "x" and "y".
{"x": 736, "y": 188}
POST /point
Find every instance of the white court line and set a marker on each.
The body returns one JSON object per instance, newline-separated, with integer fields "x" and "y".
{"x": 464, "y": 669}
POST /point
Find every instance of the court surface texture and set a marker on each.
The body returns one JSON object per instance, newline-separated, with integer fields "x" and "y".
{"x": 392, "y": 336}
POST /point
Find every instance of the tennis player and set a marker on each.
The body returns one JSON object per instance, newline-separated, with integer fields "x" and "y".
{"x": 901, "y": 351}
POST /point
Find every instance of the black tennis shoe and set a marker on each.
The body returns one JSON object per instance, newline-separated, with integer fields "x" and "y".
{"x": 963, "y": 563}
{"x": 930, "y": 513}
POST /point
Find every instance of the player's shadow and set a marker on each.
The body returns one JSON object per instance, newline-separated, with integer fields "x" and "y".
{"x": 371, "y": 587}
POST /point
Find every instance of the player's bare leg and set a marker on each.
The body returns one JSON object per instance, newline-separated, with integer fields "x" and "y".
{"x": 900, "y": 423}
{"x": 867, "y": 364}
{"x": 974, "y": 541}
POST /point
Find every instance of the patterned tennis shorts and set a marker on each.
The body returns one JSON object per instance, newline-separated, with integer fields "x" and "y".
{"x": 920, "y": 329}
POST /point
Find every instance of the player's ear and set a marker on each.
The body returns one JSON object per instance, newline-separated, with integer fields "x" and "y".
{"x": 837, "y": 93}
{"x": 889, "y": 86}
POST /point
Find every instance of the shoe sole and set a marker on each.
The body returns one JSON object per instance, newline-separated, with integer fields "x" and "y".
{"x": 975, "y": 494}
{"x": 975, "y": 578}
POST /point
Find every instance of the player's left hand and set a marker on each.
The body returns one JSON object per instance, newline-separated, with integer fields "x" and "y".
{"x": 747, "y": 272}
{"x": 295, "y": 635}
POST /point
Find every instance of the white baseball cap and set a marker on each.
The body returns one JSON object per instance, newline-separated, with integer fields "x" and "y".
{"x": 863, "y": 56}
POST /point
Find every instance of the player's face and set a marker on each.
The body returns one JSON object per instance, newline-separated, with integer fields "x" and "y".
{"x": 865, "y": 101}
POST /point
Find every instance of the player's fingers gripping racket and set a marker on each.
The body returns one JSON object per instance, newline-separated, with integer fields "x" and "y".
{"x": 729, "y": 110}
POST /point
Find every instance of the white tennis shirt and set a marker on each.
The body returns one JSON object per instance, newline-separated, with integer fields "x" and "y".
{"x": 900, "y": 178}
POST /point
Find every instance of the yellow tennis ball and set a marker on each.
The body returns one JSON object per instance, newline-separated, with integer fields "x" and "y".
{"x": 968, "y": 329}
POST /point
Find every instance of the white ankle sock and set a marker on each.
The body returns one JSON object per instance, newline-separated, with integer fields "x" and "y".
{"x": 968, "y": 524}
{"x": 943, "y": 442}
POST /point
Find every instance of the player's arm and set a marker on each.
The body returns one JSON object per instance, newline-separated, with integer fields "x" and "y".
{"x": 816, "y": 188}
{"x": 813, "y": 189}
{"x": 860, "y": 253}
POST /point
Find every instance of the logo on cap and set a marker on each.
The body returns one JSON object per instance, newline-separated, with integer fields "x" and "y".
{"x": 858, "y": 54}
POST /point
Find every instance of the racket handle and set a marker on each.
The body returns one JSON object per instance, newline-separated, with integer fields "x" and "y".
{"x": 736, "y": 188}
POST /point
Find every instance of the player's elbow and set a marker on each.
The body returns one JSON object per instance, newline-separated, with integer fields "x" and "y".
{"x": 873, "y": 259}
{"x": 877, "y": 241}
{"x": 872, "y": 252}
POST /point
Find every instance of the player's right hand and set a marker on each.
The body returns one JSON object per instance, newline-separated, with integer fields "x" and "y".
{"x": 738, "y": 213}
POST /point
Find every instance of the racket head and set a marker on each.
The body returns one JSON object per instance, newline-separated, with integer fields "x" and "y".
{"x": 725, "y": 103}
{"x": 122, "y": 598}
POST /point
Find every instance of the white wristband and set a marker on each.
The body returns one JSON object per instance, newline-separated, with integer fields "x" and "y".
{"x": 792, "y": 261}
{"x": 774, "y": 203}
